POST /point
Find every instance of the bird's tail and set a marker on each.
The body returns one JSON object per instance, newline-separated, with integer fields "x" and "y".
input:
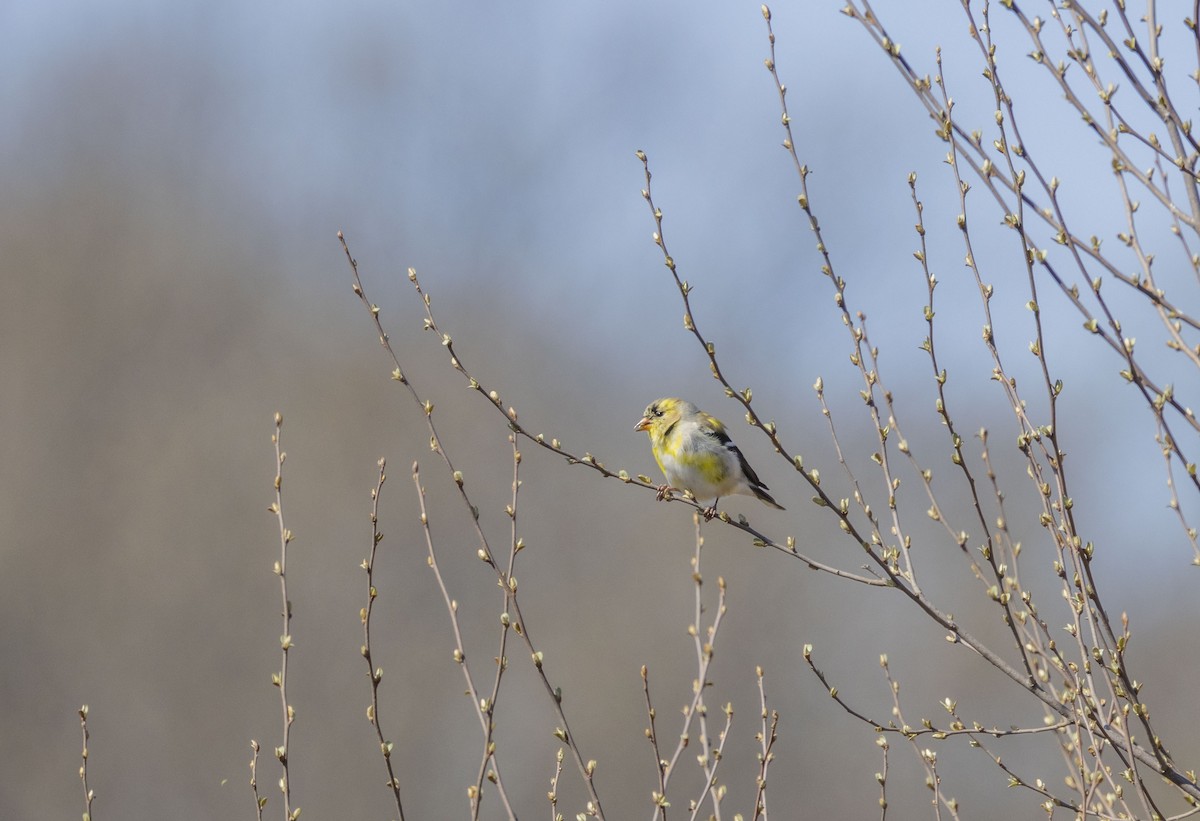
{"x": 766, "y": 498}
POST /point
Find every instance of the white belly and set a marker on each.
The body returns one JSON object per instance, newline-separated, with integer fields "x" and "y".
{"x": 702, "y": 484}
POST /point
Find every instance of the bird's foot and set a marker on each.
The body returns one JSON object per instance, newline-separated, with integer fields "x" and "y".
{"x": 663, "y": 491}
{"x": 710, "y": 512}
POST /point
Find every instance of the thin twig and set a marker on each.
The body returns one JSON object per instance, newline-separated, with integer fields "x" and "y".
{"x": 705, "y": 645}
{"x": 927, "y": 756}
{"x": 881, "y": 777}
{"x": 659, "y": 796}
{"x": 376, "y": 673}
{"x": 710, "y": 761}
{"x": 555, "y": 815}
{"x": 89, "y": 794}
{"x": 483, "y": 708}
{"x": 515, "y": 545}
{"x": 260, "y": 801}
{"x": 766, "y": 744}
{"x": 696, "y": 709}
{"x": 285, "y": 639}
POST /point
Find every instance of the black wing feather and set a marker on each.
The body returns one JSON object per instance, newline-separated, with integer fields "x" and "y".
{"x": 723, "y": 437}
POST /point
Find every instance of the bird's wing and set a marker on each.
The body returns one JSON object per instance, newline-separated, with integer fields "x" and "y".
{"x": 717, "y": 430}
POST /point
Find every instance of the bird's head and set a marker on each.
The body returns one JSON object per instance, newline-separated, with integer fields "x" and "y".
{"x": 661, "y": 414}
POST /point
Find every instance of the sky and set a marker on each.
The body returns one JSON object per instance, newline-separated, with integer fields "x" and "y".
{"x": 175, "y": 176}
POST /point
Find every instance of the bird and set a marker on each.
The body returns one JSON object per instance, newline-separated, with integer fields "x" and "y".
{"x": 696, "y": 454}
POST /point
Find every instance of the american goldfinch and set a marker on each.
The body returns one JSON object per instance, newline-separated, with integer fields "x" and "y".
{"x": 696, "y": 454}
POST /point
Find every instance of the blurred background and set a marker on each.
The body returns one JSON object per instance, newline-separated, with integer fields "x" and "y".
{"x": 174, "y": 176}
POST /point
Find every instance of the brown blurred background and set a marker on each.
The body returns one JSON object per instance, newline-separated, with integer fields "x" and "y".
{"x": 173, "y": 181}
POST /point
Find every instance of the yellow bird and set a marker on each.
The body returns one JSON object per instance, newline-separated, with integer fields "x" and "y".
{"x": 696, "y": 454}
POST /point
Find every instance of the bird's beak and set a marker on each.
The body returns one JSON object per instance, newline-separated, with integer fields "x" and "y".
{"x": 644, "y": 424}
